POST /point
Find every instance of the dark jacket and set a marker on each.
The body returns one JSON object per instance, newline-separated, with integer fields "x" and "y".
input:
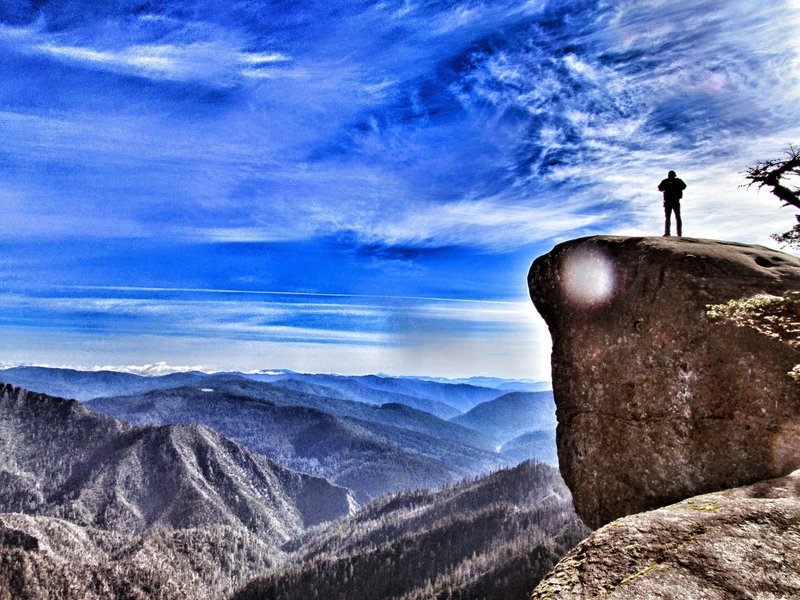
{"x": 673, "y": 189}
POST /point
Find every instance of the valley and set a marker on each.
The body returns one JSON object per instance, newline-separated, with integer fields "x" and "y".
{"x": 225, "y": 482}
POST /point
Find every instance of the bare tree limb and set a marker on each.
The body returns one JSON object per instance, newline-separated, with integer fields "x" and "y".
{"x": 773, "y": 174}
{"x": 770, "y": 172}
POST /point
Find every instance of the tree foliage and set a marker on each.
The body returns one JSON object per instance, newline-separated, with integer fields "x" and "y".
{"x": 780, "y": 176}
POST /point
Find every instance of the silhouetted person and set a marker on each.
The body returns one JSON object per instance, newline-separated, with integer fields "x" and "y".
{"x": 673, "y": 192}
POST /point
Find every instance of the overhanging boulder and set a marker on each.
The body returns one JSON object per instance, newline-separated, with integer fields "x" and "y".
{"x": 656, "y": 401}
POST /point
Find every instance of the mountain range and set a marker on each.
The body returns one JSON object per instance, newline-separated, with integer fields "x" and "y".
{"x": 370, "y": 449}
{"x": 75, "y": 472}
{"x": 353, "y": 431}
{"x": 432, "y": 395}
{"x": 85, "y": 385}
{"x": 188, "y": 486}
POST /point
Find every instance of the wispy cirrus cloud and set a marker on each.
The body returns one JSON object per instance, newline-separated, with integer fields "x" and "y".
{"x": 206, "y": 56}
{"x": 323, "y": 325}
{"x": 418, "y": 146}
{"x": 504, "y": 123}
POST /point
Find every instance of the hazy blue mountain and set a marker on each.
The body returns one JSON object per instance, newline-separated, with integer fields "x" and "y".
{"x": 440, "y": 397}
{"x": 84, "y": 385}
{"x": 494, "y": 537}
{"x": 460, "y": 396}
{"x": 355, "y": 390}
{"x": 395, "y": 414}
{"x": 456, "y": 395}
{"x": 511, "y": 415}
{"x": 372, "y": 450}
{"x": 292, "y": 392}
{"x": 539, "y": 445}
{"x": 507, "y": 385}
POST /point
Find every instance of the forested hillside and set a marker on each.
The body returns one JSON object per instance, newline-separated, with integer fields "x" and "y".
{"x": 493, "y": 537}
{"x": 176, "y": 503}
{"x": 539, "y": 444}
{"x": 511, "y": 415}
{"x": 181, "y": 501}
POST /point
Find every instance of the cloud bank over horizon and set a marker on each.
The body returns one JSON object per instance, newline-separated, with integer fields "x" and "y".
{"x": 395, "y": 149}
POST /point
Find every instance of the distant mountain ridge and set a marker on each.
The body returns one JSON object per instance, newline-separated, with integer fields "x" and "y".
{"x": 371, "y": 449}
{"x": 508, "y": 385}
{"x": 459, "y": 395}
{"x": 438, "y": 396}
{"x": 85, "y": 385}
{"x": 352, "y": 390}
{"x": 511, "y": 415}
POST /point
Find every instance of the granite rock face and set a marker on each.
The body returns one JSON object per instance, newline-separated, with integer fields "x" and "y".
{"x": 657, "y": 402}
{"x": 740, "y": 543}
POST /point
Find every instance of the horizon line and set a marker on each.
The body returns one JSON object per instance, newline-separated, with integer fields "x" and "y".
{"x": 131, "y": 370}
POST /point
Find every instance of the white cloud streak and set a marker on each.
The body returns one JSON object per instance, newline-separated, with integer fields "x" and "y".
{"x": 434, "y": 337}
{"x": 212, "y": 61}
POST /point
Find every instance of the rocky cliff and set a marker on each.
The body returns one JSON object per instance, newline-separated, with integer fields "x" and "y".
{"x": 740, "y": 543}
{"x": 656, "y": 401}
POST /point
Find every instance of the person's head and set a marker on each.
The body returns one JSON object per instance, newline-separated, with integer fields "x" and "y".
{"x": 672, "y": 175}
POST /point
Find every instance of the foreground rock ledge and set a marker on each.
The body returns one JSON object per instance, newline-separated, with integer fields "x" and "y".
{"x": 740, "y": 543}
{"x": 655, "y": 401}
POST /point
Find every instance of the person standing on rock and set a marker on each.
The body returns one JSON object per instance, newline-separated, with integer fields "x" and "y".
{"x": 673, "y": 192}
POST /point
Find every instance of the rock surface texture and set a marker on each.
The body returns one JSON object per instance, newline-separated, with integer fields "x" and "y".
{"x": 657, "y": 402}
{"x": 740, "y": 543}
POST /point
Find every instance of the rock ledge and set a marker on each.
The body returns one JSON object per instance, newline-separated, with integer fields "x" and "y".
{"x": 741, "y": 543}
{"x": 655, "y": 401}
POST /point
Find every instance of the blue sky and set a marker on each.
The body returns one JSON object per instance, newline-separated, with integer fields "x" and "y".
{"x": 358, "y": 186}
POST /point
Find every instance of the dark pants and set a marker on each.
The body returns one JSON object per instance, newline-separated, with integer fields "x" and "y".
{"x": 669, "y": 208}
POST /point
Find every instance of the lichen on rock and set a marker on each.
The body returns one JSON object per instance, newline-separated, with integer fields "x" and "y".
{"x": 774, "y": 316}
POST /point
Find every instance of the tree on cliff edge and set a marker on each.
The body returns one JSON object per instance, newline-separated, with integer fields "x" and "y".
{"x": 774, "y": 173}
{"x": 774, "y": 316}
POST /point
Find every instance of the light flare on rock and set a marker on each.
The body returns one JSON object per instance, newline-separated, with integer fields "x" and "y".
{"x": 587, "y": 277}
